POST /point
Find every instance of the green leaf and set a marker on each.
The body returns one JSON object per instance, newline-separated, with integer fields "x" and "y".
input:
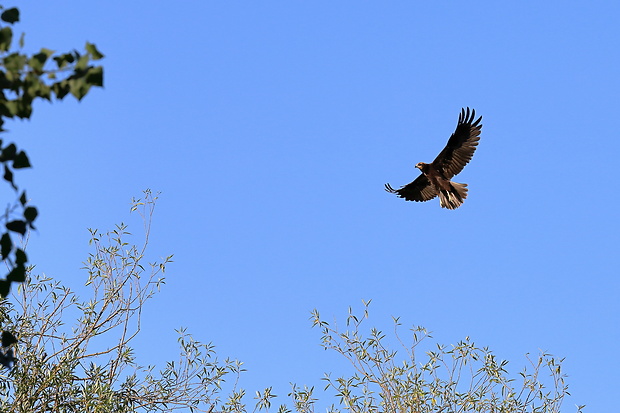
{"x": 47, "y": 52}
{"x": 21, "y": 40}
{"x": 33, "y": 86}
{"x": 30, "y": 213}
{"x": 92, "y": 49}
{"x": 23, "y": 108}
{"x": 10, "y": 15}
{"x": 17, "y": 226}
{"x": 61, "y": 89}
{"x": 5, "y": 245}
{"x": 9, "y": 108}
{"x": 38, "y": 60}
{"x": 82, "y": 62}
{"x": 5, "y": 288}
{"x": 12, "y": 107}
{"x": 14, "y": 62}
{"x": 39, "y": 89}
{"x": 94, "y": 76}
{"x": 64, "y": 59}
{"x": 79, "y": 87}
{"x": 6, "y": 35}
{"x": 21, "y": 161}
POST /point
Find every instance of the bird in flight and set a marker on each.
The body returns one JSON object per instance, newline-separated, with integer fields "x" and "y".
{"x": 435, "y": 178}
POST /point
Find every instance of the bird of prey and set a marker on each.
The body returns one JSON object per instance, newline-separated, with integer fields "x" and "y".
{"x": 435, "y": 178}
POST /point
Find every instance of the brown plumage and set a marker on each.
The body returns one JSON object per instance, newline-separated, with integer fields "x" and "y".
{"x": 435, "y": 178}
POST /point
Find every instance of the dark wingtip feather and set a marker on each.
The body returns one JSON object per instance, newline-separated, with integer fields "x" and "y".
{"x": 468, "y": 115}
{"x": 389, "y": 189}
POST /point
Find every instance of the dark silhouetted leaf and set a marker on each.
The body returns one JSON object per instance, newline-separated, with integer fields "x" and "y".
{"x": 5, "y": 245}
{"x": 23, "y": 199}
{"x": 5, "y": 288}
{"x": 8, "y": 153}
{"x": 20, "y": 257}
{"x": 30, "y": 213}
{"x": 4, "y": 111}
{"x": 17, "y": 274}
{"x": 8, "y": 176}
{"x": 8, "y": 339}
{"x": 10, "y": 15}
{"x": 21, "y": 161}
{"x": 5, "y": 83}
{"x": 8, "y": 359}
{"x": 24, "y": 109}
{"x": 17, "y": 226}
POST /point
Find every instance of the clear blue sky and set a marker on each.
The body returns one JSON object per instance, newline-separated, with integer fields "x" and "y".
{"x": 270, "y": 128}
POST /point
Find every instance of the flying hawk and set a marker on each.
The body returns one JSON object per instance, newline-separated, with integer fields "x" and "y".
{"x": 435, "y": 178}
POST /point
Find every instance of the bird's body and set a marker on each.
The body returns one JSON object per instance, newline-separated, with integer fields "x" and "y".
{"x": 435, "y": 178}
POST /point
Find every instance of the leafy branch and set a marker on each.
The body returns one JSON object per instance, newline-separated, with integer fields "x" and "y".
{"x": 25, "y": 78}
{"x": 461, "y": 378}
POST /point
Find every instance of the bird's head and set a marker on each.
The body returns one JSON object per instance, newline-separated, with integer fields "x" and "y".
{"x": 420, "y": 165}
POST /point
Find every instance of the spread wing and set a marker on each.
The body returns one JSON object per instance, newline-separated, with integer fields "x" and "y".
{"x": 461, "y": 145}
{"x": 419, "y": 190}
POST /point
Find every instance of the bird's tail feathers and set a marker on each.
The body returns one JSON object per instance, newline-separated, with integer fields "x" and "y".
{"x": 454, "y": 198}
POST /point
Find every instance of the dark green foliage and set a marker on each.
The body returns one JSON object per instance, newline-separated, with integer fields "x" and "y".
{"x": 23, "y": 79}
